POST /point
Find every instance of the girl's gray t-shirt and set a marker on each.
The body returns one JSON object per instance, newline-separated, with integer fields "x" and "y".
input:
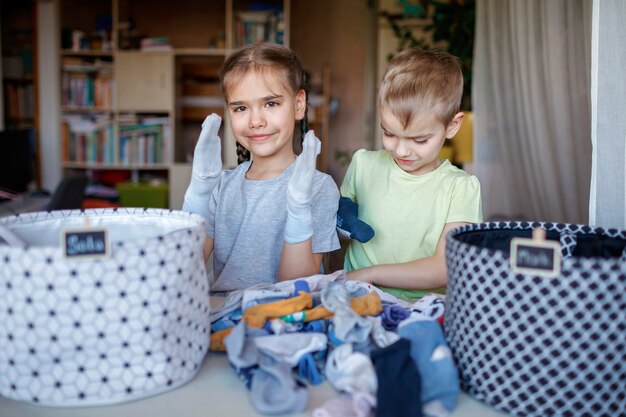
{"x": 247, "y": 222}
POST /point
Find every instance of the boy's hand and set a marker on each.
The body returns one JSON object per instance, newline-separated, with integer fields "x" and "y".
{"x": 207, "y": 166}
{"x": 299, "y": 226}
{"x": 349, "y": 224}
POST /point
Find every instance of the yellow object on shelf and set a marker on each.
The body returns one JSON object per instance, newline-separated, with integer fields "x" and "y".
{"x": 462, "y": 142}
{"x": 447, "y": 152}
{"x": 143, "y": 194}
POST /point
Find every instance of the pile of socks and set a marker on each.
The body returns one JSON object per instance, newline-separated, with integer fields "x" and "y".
{"x": 380, "y": 353}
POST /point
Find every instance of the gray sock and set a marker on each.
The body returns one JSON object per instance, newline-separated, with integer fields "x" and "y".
{"x": 240, "y": 347}
{"x": 275, "y": 391}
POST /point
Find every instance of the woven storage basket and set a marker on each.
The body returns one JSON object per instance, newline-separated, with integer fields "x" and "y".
{"x": 95, "y": 332}
{"x": 536, "y": 346}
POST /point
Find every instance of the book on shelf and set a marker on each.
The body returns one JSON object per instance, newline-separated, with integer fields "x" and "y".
{"x": 83, "y": 91}
{"x": 144, "y": 140}
{"x": 20, "y": 101}
{"x": 79, "y": 64}
{"x": 141, "y": 147}
{"x": 155, "y": 44}
{"x": 88, "y": 139}
{"x": 259, "y": 26}
{"x": 86, "y": 83}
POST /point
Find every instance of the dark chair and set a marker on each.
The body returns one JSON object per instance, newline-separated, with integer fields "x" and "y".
{"x": 16, "y": 160}
{"x": 69, "y": 193}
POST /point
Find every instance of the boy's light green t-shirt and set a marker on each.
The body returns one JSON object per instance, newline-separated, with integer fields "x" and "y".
{"x": 407, "y": 212}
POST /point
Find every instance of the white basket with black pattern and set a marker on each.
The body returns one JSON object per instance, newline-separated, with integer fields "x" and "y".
{"x": 536, "y": 346}
{"x": 95, "y": 332}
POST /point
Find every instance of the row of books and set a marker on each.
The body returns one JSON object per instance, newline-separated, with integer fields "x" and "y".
{"x": 259, "y": 26}
{"x": 155, "y": 44}
{"x": 86, "y": 91}
{"x": 91, "y": 139}
{"x": 78, "y": 64}
{"x": 145, "y": 147}
{"x": 88, "y": 139}
{"x": 144, "y": 140}
{"x": 20, "y": 100}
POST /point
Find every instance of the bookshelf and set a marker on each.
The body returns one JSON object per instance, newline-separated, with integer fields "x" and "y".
{"x": 139, "y": 77}
{"x": 19, "y": 77}
{"x": 318, "y": 115}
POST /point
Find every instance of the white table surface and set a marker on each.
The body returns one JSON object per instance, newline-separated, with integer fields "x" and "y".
{"x": 214, "y": 391}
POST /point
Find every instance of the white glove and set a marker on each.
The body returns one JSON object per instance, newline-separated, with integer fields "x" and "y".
{"x": 206, "y": 169}
{"x": 299, "y": 225}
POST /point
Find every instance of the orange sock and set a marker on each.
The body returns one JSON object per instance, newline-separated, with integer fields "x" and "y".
{"x": 365, "y": 305}
{"x": 317, "y": 313}
{"x": 217, "y": 340}
{"x": 257, "y": 315}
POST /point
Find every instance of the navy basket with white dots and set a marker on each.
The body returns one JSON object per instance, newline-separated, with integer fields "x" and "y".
{"x": 536, "y": 346}
{"x": 102, "y": 331}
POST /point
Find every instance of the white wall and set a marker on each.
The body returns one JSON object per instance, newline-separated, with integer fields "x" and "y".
{"x": 342, "y": 35}
{"x": 49, "y": 85}
{"x": 607, "y": 206}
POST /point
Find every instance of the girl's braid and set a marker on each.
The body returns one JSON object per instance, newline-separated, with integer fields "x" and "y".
{"x": 243, "y": 154}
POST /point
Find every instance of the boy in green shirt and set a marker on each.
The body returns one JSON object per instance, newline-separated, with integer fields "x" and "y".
{"x": 409, "y": 197}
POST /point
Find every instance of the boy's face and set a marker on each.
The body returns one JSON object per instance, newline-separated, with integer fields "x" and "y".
{"x": 415, "y": 149}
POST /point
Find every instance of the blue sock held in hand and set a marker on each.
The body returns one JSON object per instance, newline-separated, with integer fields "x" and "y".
{"x": 349, "y": 224}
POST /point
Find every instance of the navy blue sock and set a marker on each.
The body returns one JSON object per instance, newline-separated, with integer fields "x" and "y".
{"x": 349, "y": 223}
{"x": 398, "y": 393}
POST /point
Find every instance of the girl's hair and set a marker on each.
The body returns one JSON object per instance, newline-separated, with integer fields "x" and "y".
{"x": 421, "y": 81}
{"x": 261, "y": 58}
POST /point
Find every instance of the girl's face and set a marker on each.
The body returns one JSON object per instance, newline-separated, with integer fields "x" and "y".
{"x": 262, "y": 114}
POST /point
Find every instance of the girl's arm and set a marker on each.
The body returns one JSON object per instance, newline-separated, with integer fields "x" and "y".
{"x": 208, "y": 248}
{"x": 420, "y": 274}
{"x": 298, "y": 260}
{"x": 206, "y": 167}
{"x": 297, "y": 257}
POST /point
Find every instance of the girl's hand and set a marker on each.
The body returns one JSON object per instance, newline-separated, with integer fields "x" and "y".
{"x": 207, "y": 156}
{"x": 207, "y": 166}
{"x": 300, "y": 187}
{"x": 299, "y": 226}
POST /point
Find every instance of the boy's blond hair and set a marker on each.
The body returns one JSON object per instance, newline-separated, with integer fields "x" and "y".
{"x": 419, "y": 81}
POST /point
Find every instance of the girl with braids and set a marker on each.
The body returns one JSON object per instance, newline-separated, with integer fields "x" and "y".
{"x": 273, "y": 217}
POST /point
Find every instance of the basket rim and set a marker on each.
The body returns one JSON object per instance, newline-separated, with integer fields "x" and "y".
{"x": 573, "y": 228}
{"x": 529, "y": 224}
{"x": 34, "y": 216}
{"x": 196, "y": 223}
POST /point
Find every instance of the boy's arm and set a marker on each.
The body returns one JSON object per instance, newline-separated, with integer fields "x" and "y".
{"x": 420, "y": 274}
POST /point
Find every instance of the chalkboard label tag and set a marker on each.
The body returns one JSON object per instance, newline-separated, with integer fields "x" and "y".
{"x": 86, "y": 243}
{"x": 536, "y": 257}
